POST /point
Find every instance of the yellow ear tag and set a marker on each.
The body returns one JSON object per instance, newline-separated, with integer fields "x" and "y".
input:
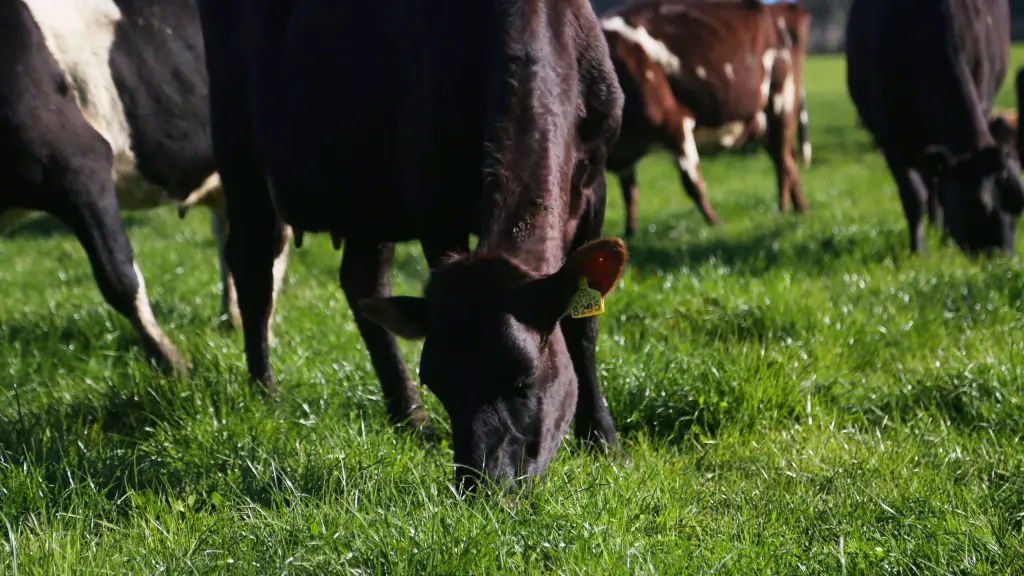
{"x": 586, "y": 301}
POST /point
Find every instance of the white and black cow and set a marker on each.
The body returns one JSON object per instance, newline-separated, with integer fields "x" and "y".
{"x": 104, "y": 105}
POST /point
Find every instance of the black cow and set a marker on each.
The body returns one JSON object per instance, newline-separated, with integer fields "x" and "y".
{"x": 923, "y": 76}
{"x": 381, "y": 122}
{"x": 103, "y": 106}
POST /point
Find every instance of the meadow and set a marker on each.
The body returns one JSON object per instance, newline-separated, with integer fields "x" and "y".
{"x": 795, "y": 394}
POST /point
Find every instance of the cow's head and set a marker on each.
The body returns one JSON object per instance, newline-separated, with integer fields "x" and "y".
{"x": 981, "y": 194}
{"x": 495, "y": 356}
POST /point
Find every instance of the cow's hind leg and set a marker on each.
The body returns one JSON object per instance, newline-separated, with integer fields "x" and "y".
{"x": 230, "y": 315}
{"x": 630, "y": 194}
{"x": 366, "y": 273}
{"x": 86, "y": 202}
{"x": 782, "y": 127}
{"x": 914, "y": 196}
{"x": 594, "y": 424}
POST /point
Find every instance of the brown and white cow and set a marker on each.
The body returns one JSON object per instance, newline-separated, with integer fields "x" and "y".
{"x": 389, "y": 121}
{"x": 104, "y": 107}
{"x": 703, "y": 74}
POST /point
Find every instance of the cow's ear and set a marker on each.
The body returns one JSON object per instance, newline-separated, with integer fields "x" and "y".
{"x": 601, "y": 262}
{"x": 543, "y": 302}
{"x": 936, "y": 160}
{"x": 404, "y": 316}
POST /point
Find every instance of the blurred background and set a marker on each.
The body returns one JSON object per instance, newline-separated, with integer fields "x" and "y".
{"x": 829, "y": 18}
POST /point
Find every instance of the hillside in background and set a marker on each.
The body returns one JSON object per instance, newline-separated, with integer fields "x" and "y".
{"x": 829, "y": 20}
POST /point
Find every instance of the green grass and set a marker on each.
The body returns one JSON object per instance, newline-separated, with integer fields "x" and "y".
{"x": 796, "y": 394}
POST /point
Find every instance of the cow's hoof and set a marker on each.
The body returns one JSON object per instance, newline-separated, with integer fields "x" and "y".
{"x": 171, "y": 362}
{"x": 417, "y": 422}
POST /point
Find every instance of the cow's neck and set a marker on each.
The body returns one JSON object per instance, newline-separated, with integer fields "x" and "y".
{"x": 525, "y": 201}
{"x": 527, "y": 228}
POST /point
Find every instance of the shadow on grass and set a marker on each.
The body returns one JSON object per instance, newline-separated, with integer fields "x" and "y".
{"x": 764, "y": 250}
{"x": 971, "y": 398}
{"x": 42, "y": 225}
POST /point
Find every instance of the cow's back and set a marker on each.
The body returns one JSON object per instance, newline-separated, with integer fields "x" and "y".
{"x": 368, "y": 116}
{"x": 926, "y": 73}
{"x": 717, "y": 56}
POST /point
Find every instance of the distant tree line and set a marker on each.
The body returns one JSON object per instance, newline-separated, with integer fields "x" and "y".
{"x": 829, "y": 20}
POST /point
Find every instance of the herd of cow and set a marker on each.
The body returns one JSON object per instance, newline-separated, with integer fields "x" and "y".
{"x": 395, "y": 121}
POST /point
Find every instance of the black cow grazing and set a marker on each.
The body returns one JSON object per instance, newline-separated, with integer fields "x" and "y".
{"x": 705, "y": 76}
{"x": 432, "y": 121}
{"x": 1005, "y": 124}
{"x": 103, "y": 106}
{"x": 923, "y": 77}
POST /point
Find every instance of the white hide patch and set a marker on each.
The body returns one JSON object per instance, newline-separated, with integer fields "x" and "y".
{"x": 762, "y": 123}
{"x": 80, "y": 35}
{"x": 767, "y": 62}
{"x": 654, "y": 48}
{"x": 701, "y": 72}
{"x": 729, "y": 72}
{"x": 689, "y": 160}
{"x": 785, "y": 102}
{"x": 144, "y": 314}
{"x": 721, "y": 137}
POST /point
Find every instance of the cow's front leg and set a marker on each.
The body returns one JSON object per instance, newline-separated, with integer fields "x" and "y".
{"x": 366, "y": 273}
{"x": 630, "y": 194}
{"x": 88, "y": 205}
{"x": 594, "y": 424}
{"x": 689, "y": 171}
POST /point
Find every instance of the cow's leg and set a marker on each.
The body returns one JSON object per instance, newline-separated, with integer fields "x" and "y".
{"x": 914, "y": 196}
{"x": 779, "y": 142}
{"x": 594, "y": 424}
{"x": 366, "y": 273}
{"x": 256, "y": 235}
{"x": 256, "y": 238}
{"x": 935, "y": 214}
{"x": 86, "y": 203}
{"x": 689, "y": 170}
{"x": 802, "y": 133}
{"x": 630, "y": 194}
{"x": 230, "y": 316}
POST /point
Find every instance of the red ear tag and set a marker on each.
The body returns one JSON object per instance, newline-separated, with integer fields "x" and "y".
{"x": 586, "y": 301}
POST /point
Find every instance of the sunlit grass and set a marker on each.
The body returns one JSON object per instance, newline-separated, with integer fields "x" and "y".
{"x": 795, "y": 393}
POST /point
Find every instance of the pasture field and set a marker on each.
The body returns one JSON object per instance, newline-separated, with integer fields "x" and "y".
{"x": 796, "y": 394}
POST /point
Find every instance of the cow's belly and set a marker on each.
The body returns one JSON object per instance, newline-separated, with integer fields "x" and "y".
{"x": 80, "y": 36}
{"x": 729, "y": 136}
{"x": 726, "y": 137}
{"x": 12, "y": 217}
